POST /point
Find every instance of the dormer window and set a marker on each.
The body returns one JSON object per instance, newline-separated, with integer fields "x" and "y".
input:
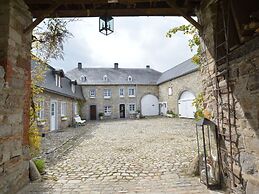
{"x": 130, "y": 78}
{"x": 105, "y": 78}
{"x": 73, "y": 88}
{"x": 58, "y": 80}
{"x": 58, "y": 74}
{"x": 73, "y": 85}
{"x": 83, "y": 78}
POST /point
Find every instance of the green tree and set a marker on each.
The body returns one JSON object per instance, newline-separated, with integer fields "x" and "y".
{"x": 47, "y": 43}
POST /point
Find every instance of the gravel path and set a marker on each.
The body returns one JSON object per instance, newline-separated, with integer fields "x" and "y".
{"x": 127, "y": 156}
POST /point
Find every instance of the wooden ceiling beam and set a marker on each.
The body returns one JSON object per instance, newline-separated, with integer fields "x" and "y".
{"x": 41, "y": 17}
{"x": 183, "y": 13}
{"x": 113, "y": 12}
{"x": 38, "y": 2}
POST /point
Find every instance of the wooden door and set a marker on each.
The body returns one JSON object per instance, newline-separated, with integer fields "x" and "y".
{"x": 93, "y": 112}
{"x": 122, "y": 110}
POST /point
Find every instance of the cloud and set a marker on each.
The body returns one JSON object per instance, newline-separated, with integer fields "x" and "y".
{"x": 136, "y": 42}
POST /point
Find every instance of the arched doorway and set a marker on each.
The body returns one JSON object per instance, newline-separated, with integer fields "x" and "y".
{"x": 185, "y": 107}
{"x": 149, "y": 105}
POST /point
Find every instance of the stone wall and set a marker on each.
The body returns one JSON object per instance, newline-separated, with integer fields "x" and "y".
{"x": 70, "y": 103}
{"x": 115, "y": 99}
{"x": 246, "y": 92}
{"x": 14, "y": 95}
{"x": 244, "y": 79}
{"x": 190, "y": 82}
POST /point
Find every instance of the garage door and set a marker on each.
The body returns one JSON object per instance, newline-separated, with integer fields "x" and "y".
{"x": 149, "y": 105}
{"x": 185, "y": 107}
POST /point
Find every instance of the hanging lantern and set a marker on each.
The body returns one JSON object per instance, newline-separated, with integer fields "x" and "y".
{"x": 106, "y": 25}
{"x": 209, "y": 166}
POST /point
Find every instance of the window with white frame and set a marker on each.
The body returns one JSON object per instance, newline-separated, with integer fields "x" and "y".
{"x": 132, "y": 108}
{"x": 73, "y": 88}
{"x": 121, "y": 92}
{"x": 92, "y": 93}
{"x": 63, "y": 109}
{"x": 130, "y": 78}
{"x": 132, "y": 92}
{"x": 58, "y": 80}
{"x": 105, "y": 78}
{"x": 107, "y": 93}
{"x": 83, "y": 78}
{"x": 170, "y": 91}
{"x": 107, "y": 110}
{"x": 40, "y": 113}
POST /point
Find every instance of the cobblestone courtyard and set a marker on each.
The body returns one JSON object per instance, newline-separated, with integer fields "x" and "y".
{"x": 127, "y": 156}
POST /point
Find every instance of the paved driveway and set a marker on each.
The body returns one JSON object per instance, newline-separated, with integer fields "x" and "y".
{"x": 128, "y": 156}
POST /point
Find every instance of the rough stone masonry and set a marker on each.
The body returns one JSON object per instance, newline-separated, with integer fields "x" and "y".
{"x": 244, "y": 77}
{"x": 14, "y": 95}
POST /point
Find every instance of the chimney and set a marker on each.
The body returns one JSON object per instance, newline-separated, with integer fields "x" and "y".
{"x": 148, "y": 66}
{"x": 79, "y": 65}
{"x": 116, "y": 65}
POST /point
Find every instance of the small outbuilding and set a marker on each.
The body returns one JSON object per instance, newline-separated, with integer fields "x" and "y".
{"x": 178, "y": 87}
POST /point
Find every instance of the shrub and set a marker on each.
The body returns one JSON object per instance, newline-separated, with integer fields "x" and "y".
{"x": 174, "y": 115}
{"x": 40, "y": 164}
{"x": 34, "y": 139}
{"x": 101, "y": 114}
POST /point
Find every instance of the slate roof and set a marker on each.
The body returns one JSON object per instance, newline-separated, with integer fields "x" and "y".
{"x": 180, "y": 70}
{"x": 94, "y": 76}
{"x": 50, "y": 84}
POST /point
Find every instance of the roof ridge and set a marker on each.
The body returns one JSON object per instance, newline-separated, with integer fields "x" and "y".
{"x": 177, "y": 65}
{"x": 111, "y": 68}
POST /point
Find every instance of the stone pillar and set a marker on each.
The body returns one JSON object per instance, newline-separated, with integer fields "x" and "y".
{"x": 14, "y": 95}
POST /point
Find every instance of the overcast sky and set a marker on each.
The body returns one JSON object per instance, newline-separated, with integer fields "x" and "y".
{"x": 136, "y": 42}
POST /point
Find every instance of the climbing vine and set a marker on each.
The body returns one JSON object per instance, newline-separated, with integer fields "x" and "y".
{"x": 37, "y": 77}
{"x": 198, "y": 104}
{"x": 194, "y": 41}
